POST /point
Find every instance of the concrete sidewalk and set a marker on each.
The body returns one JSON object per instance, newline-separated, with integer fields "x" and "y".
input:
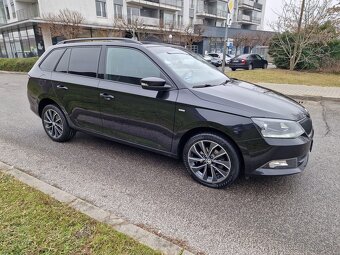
{"x": 306, "y": 92}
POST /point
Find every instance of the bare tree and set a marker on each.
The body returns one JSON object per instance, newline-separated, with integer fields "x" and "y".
{"x": 263, "y": 38}
{"x": 303, "y": 19}
{"x": 238, "y": 41}
{"x": 66, "y": 23}
{"x": 191, "y": 35}
{"x": 134, "y": 25}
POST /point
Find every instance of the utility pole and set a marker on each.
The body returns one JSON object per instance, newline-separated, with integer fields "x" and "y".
{"x": 230, "y": 7}
{"x": 298, "y": 36}
{"x": 225, "y": 44}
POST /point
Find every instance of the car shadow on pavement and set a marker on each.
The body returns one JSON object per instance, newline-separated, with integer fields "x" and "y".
{"x": 158, "y": 164}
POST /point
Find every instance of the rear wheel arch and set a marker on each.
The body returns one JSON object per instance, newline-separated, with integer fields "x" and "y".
{"x": 215, "y": 131}
{"x": 44, "y": 102}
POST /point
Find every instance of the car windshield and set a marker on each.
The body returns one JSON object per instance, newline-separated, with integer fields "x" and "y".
{"x": 190, "y": 67}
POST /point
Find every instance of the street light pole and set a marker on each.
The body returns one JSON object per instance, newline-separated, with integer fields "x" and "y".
{"x": 225, "y": 45}
{"x": 230, "y": 7}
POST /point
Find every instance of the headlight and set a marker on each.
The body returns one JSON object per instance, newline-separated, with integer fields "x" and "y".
{"x": 275, "y": 128}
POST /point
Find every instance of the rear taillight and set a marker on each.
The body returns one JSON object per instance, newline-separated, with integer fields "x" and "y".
{"x": 243, "y": 61}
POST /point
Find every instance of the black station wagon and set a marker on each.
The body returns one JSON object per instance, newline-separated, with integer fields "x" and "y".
{"x": 168, "y": 100}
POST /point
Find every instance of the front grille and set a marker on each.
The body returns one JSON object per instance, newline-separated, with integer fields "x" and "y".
{"x": 307, "y": 125}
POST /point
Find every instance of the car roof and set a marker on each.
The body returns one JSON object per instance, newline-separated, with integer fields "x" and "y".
{"x": 98, "y": 41}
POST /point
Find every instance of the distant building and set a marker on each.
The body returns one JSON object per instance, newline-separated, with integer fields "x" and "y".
{"x": 21, "y": 35}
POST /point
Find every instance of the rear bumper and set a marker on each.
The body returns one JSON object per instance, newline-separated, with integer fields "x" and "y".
{"x": 33, "y": 103}
{"x": 242, "y": 66}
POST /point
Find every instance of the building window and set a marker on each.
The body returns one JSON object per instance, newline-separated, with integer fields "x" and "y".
{"x": 191, "y": 21}
{"x": 101, "y": 8}
{"x": 191, "y": 4}
{"x": 7, "y": 13}
{"x": 179, "y": 20}
{"x": 13, "y": 10}
{"x": 118, "y": 9}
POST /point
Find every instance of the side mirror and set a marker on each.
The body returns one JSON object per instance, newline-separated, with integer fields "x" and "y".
{"x": 154, "y": 83}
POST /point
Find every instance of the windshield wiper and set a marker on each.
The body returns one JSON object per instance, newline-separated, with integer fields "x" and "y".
{"x": 203, "y": 86}
{"x": 225, "y": 82}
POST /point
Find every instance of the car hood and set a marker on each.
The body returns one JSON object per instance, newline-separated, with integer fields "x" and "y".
{"x": 250, "y": 100}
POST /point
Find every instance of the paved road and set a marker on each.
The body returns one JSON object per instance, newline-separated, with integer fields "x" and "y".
{"x": 282, "y": 215}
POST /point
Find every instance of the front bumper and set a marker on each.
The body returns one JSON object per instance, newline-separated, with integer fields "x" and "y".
{"x": 301, "y": 163}
{"x": 262, "y": 159}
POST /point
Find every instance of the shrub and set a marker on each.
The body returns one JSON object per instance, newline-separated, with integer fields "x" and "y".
{"x": 330, "y": 65}
{"x": 312, "y": 56}
{"x": 17, "y": 64}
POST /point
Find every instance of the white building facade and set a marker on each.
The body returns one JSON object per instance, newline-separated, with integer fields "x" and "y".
{"x": 21, "y": 35}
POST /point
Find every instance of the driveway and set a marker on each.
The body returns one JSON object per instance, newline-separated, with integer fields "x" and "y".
{"x": 275, "y": 215}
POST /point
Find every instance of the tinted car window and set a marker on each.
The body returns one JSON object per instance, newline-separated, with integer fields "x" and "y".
{"x": 63, "y": 63}
{"x": 258, "y": 57}
{"x": 51, "y": 60}
{"x": 84, "y": 61}
{"x": 245, "y": 56}
{"x": 129, "y": 66}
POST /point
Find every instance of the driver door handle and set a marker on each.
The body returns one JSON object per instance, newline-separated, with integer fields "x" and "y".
{"x": 62, "y": 87}
{"x": 107, "y": 96}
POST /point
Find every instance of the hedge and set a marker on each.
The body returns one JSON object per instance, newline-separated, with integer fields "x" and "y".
{"x": 17, "y": 64}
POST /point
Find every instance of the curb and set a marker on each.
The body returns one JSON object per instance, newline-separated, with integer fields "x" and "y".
{"x": 315, "y": 98}
{"x": 12, "y": 72}
{"x": 137, "y": 233}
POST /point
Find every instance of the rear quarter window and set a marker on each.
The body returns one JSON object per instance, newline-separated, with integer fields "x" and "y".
{"x": 63, "y": 63}
{"x": 49, "y": 63}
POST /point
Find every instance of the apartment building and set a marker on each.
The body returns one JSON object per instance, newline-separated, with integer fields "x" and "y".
{"x": 249, "y": 14}
{"x": 22, "y": 36}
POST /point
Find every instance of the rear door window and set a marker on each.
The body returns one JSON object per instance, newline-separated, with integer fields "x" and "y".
{"x": 51, "y": 60}
{"x": 84, "y": 61}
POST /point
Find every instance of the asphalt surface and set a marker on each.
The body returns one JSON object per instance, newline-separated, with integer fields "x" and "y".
{"x": 275, "y": 215}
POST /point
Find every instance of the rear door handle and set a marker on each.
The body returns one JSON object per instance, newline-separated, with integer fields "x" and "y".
{"x": 62, "y": 87}
{"x": 107, "y": 96}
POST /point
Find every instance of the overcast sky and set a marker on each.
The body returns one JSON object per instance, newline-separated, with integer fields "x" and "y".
{"x": 273, "y": 7}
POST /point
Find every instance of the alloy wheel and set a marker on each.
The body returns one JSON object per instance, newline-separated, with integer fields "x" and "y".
{"x": 209, "y": 161}
{"x": 53, "y": 123}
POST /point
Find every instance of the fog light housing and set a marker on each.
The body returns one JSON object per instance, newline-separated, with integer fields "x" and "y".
{"x": 281, "y": 164}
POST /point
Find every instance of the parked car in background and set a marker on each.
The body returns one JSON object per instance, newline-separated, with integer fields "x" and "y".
{"x": 220, "y": 56}
{"x": 213, "y": 60}
{"x": 248, "y": 62}
{"x": 172, "y": 102}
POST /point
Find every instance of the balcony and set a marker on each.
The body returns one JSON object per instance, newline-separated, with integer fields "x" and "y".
{"x": 28, "y": 13}
{"x": 247, "y": 19}
{"x": 206, "y": 13}
{"x": 250, "y": 5}
{"x": 170, "y": 5}
{"x": 147, "y": 21}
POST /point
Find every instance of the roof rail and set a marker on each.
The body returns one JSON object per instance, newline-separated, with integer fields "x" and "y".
{"x": 99, "y": 39}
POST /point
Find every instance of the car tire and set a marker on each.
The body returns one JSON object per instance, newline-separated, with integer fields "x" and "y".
{"x": 233, "y": 69}
{"x": 265, "y": 66}
{"x": 211, "y": 160}
{"x": 55, "y": 124}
